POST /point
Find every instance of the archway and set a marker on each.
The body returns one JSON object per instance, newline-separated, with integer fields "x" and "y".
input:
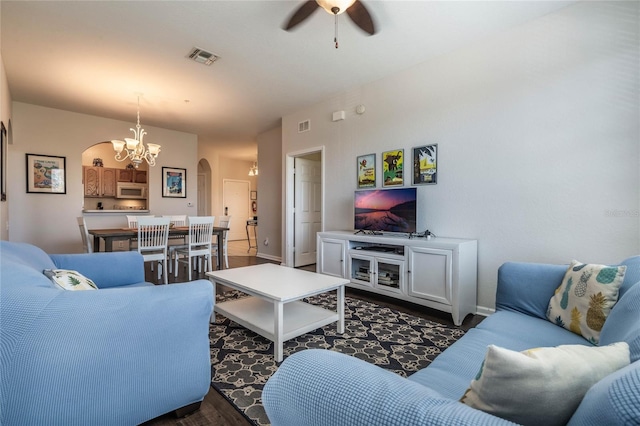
{"x": 204, "y": 188}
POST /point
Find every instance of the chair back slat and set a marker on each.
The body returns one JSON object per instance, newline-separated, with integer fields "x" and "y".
{"x": 153, "y": 233}
{"x": 177, "y": 220}
{"x": 200, "y": 232}
{"x": 132, "y": 220}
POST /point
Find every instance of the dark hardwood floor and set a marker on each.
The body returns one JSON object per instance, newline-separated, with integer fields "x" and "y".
{"x": 215, "y": 410}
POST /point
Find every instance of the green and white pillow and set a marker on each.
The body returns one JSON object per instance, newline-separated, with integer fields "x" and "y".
{"x": 541, "y": 386}
{"x": 70, "y": 280}
{"x": 584, "y": 299}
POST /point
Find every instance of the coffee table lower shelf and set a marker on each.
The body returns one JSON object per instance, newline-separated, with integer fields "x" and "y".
{"x": 259, "y": 316}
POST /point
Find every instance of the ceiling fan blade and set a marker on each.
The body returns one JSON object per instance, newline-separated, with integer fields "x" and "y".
{"x": 361, "y": 17}
{"x": 301, "y": 14}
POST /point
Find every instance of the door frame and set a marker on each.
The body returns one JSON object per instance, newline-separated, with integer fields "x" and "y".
{"x": 289, "y": 198}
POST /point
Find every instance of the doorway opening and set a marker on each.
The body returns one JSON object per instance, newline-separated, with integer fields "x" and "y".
{"x": 204, "y": 188}
{"x": 304, "y": 205}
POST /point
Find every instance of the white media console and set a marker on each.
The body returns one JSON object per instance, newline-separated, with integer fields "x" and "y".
{"x": 440, "y": 273}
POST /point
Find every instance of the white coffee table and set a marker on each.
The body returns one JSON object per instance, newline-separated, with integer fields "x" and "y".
{"x": 275, "y": 309}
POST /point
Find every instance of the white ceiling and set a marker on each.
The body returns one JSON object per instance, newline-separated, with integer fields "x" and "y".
{"x": 93, "y": 57}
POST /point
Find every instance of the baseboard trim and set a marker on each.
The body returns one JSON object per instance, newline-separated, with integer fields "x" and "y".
{"x": 269, "y": 257}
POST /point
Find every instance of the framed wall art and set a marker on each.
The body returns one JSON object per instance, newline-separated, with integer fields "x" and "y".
{"x": 367, "y": 171}
{"x": 393, "y": 168}
{"x": 254, "y": 195}
{"x": 3, "y": 162}
{"x": 46, "y": 174}
{"x": 425, "y": 165}
{"x": 174, "y": 182}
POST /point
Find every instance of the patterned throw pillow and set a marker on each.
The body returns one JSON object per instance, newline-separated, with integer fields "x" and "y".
{"x": 70, "y": 280}
{"x": 542, "y": 386}
{"x": 584, "y": 299}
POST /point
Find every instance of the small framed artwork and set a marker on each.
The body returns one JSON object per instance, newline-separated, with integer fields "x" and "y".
{"x": 367, "y": 171}
{"x": 393, "y": 168}
{"x": 46, "y": 174}
{"x": 425, "y": 165}
{"x": 3, "y": 162}
{"x": 174, "y": 182}
{"x": 254, "y": 195}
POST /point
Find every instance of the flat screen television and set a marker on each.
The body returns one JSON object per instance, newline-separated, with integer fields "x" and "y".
{"x": 386, "y": 210}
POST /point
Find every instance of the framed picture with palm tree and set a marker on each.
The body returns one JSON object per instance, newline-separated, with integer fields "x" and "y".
{"x": 425, "y": 165}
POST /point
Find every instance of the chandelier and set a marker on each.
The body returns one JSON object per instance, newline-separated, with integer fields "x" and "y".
{"x": 134, "y": 149}
{"x": 253, "y": 171}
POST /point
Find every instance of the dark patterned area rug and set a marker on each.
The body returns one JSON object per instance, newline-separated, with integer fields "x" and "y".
{"x": 242, "y": 361}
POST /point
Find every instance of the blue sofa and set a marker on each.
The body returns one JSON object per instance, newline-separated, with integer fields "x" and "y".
{"x": 120, "y": 355}
{"x": 319, "y": 387}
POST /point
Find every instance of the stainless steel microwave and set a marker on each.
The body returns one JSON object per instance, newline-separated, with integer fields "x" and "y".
{"x": 135, "y": 191}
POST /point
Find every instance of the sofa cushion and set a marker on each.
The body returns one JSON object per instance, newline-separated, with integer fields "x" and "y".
{"x": 631, "y": 276}
{"x": 70, "y": 280}
{"x": 541, "y": 385}
{"x": 26, "y": 254}
{"x": 614, "y": 400}
{"x": 623, "y": 323}
{"x": 452, "y": 370}
{"x": 583, "y": 301}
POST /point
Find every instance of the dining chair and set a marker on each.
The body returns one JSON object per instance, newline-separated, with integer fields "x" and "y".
{"x": 153, "y": 234}
{"x": 132, "y": 222}
{"x": 224, "y": 222}
{"x": 176, "y": 241}
{"x": 198, "y": 243}
{"x": 86, "y": 244}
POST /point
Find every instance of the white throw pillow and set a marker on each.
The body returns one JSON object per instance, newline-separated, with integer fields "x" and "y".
{"x": 585, "y": 297}
{"x": 70, "y": 280}
{"x": 541, "y": 386}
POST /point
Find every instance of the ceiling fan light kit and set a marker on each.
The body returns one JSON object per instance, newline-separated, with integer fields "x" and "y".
{"x": 356, "y": 11}
{"x": 335, "y": 7}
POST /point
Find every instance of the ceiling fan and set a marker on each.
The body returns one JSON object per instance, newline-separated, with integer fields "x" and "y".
{"x": 354, "y": 8}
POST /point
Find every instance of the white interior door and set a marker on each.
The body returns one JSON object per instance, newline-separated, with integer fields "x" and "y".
{"x": 307, "y": 210}
{"x": 235, "y": 199}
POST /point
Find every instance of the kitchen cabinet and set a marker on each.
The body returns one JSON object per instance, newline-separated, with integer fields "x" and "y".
{"x": 99, "y": 181}
{"x": 131, "y": 175}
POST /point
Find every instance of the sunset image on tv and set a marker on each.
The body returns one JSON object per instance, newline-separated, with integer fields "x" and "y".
{"x": 390, "y": 210}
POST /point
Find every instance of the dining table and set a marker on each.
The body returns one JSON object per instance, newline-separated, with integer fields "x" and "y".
{"x": 110, "y": 235}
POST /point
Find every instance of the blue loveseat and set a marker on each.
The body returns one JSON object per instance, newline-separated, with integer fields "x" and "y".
{"x": 120, "y": 355}
{"x": 319, "y": 387}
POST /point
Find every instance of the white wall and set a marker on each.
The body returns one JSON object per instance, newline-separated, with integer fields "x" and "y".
{"x": 538, "y": 139}
{"x": 49, "y": 220}
{"x": 5, "y": 117}
{"x": 270, "y": 194}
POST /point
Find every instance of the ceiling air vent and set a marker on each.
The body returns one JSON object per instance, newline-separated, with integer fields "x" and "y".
{"x": 304, "y": 126}
{"x": 202, "y": 56}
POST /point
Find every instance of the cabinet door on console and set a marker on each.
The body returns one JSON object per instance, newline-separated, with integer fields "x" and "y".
{"x": 331, "y": 254}
{"x": 430, "y": 274}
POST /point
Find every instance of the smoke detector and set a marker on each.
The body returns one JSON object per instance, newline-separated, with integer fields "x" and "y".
{"x": 202, "y": 56}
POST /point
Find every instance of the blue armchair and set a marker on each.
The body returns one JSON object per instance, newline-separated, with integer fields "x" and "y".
{"x": 126, "y": 353}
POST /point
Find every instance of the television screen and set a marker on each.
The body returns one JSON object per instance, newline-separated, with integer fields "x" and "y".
{"x": 386, "y": 210}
